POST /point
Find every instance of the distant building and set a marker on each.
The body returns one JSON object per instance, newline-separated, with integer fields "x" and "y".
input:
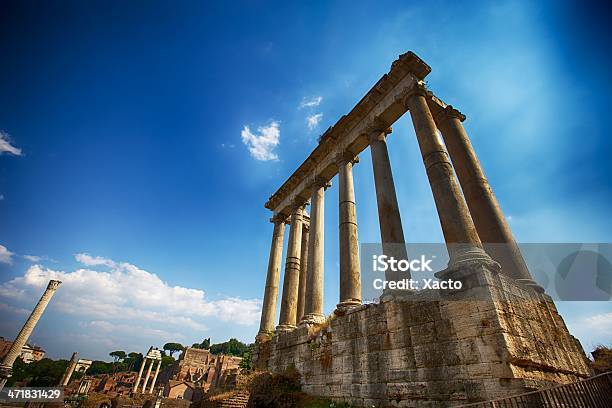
{"x": 82, "y": 365}
{"x": 197, "y": 371}
{"x": 28, "y": 353}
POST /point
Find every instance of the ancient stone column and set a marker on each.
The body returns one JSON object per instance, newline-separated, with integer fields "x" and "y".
{"x": 488, "y": 217}
{"x": 288, "y": 313}
{"x": 303, "y": 271}
{"x": 313, "y": 308}
{"x": 69, "y": 370}
{"x": 350, "y": 268}
{"x": 146, "y": 379}
{"x": 23, "y": 336}
{"x": 155, "y": 376}
{"x": 459, "y": 231}
{"x": 142, "y": 366}
{"x": 391, "y": 231}
{"x": 268, "y": 312}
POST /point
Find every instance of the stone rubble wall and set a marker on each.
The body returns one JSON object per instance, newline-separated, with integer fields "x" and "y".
{"x": 434, "y": 353}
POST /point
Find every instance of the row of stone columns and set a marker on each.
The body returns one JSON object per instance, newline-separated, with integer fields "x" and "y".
{"x": 458, "y": 199}
{"x": 151, "y": 362}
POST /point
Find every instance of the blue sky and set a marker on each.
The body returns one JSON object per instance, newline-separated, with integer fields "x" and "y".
{"x": 124, "y": 169}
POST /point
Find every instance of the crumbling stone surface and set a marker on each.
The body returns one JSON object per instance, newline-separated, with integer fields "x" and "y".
{"x": 494, "y": 339}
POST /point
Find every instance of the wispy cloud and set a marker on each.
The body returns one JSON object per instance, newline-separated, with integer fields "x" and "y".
{"x": 261, "y": 145}
{"x": 6, "y": 146}
{"x": 313, "y": 120}
{"x": 6, "y": 256}
{"x": 36, "y": 258}
{"x": 311, "y": 102}
{"x": 89, "y": 260}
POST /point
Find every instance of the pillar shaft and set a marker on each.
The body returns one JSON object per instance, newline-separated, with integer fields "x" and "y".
{"x": 288, "y": 313}
{"x": 313, "y": 307}
{"x": 303, "y": 272}
{"x": 268, "y": 312}
{"x": 487, "y": 215}
{"x": 69, "y": 370}
{"x": 146, "y": 379}
{"x": 350, "y": 268}
{"x": 142, "y": 365}
{"x": 391, "y": 231}
{"x": 155, "y": 376}
{"x": 457, "y": 225}
{"x": 26, "y": 331}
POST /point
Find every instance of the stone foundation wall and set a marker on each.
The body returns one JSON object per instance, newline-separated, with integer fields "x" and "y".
{"x": 434, "y": 353}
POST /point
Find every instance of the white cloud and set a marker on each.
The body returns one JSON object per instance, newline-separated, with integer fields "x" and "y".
{"x": 36, "y": 258}
{"x": 599, "y": 322}
{"x": 311, "y": 103}
{"x": 313, "y": 120}
{"x": 89, "y": 260}
{"x": 261, "y": 146}
{"x": 6, "y": 146}
{"x": 6, "y": 256}
{"x": 128, "y": 295}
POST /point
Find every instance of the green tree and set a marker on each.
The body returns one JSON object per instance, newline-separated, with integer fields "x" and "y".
{"x": 166, "y": 361}
{"x": 43, "y": 373}
{"x": 117, "y": 355}
{"x": 173, "y": 348}
{"x": 232, "y": 347}
{"x": 205, "y": 344}
{"x": 247, "y": 359}
{"x": 100, "y": 367}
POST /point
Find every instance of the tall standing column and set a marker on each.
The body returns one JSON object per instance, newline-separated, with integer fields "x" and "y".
{"x": 350, "y": 268}
{"x": 155, "y": 376}
{"x": 313, "y": 308}
{"x": 488, "y": 217}
{"x": 457, "y": 225}
{"x": 146, "y": 379}
{"x": 303, "y": 271}
{"x": 268, "y": 312}
{"x": 288, "y": 313}
{"x": 22, "y": 338}
{"x": 391, "y": 231}
{"x": 69, "y": 370}
{"x": 142, "y": 366}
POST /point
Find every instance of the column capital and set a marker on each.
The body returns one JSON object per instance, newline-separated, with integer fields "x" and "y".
{"x": 377, "y": 131}
{"x": 298, "y": 204}
{"x": 453, "y": 113}
{"x": 346, "y": 156}
{"x": 318, "y": 182}
{"x": 418, "y": 89}
{"x": 279, "y": 218}
{"x": 54, "y": 284}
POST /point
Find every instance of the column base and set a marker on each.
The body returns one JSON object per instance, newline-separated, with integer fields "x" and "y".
{"x": 312, "y": 318}
{"x": 466, "y": 254}
{"x": 263, "y": 336}
{"x": 531, "y": 284}
{"x": 395, "y": 294}
{"x": 283, "y": 328}
{"x": 344, "y": 306}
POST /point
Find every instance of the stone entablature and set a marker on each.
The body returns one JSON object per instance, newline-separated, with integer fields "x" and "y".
{"x": 379, "y": 108}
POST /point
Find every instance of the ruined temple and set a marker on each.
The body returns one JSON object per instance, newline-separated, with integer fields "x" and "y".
{"x": 499, "y": 335}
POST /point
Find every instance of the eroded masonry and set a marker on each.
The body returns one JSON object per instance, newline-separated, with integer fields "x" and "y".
{"x": 411, "y": 350}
